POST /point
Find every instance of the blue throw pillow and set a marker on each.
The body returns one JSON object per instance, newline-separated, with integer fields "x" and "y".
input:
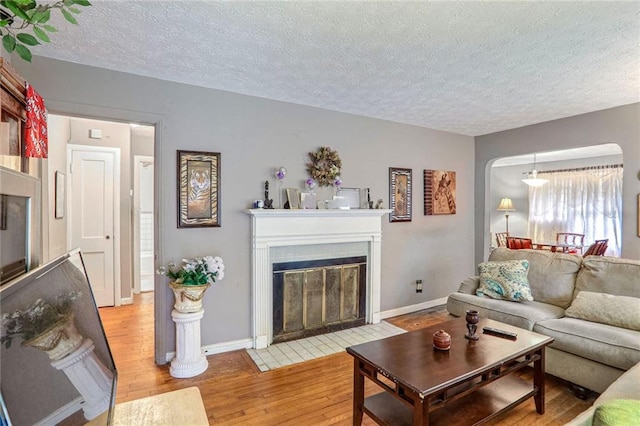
{"x": 506, "y": 280}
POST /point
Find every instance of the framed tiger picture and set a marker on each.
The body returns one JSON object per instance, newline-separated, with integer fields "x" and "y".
{"x": 198, "y": 189}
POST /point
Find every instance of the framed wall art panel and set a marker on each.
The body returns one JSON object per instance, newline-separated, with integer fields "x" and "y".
{"x": 400, "y": 187}
{"x": 352, "y": 195}
{"x": 293, "y": 198}
{"x": 198, "y": 189}
{"x": 439, "y": 192}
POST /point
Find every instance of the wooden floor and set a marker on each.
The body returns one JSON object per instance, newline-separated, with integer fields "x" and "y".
{"x": 316, "y": 392}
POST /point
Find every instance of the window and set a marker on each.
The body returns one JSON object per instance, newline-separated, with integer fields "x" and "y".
{"x": 586, "y": 201}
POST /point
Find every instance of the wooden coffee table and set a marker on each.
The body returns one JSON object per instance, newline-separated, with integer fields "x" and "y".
{"x": 470, "y": 383}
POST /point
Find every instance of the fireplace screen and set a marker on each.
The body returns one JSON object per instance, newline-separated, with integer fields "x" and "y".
{"x": 315, "y": 297}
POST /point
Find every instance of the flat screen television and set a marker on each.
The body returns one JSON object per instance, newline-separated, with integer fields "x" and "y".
{"x": 56, "y": 366}
{"x": 20, "y": 217}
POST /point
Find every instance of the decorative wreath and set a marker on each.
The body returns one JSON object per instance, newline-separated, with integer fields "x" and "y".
{"x": 324, "y": 166}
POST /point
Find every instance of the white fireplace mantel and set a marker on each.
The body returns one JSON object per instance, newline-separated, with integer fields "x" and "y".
{"x": 277, "y": 228}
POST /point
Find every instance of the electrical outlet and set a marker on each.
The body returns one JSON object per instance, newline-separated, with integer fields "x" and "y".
{"x": 418, "y": 286}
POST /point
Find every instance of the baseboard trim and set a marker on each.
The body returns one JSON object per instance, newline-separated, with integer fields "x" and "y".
{"x": 126, "y": 301}
{"x": 218, "y": 348}
{"x": 413, "y": 308}
{"x": 235, "y": 345}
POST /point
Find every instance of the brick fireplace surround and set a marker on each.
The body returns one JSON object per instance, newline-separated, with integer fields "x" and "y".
{"x": 275, "y": 233}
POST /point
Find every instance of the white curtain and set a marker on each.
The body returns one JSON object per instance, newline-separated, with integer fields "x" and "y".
{"x": 586, "y": 202}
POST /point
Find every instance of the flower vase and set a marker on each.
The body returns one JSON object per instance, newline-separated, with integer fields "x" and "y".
{"x": 59, "y": 340}
{"x": 188, "y": 297}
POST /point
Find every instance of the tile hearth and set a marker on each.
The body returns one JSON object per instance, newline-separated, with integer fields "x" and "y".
{"x": 295, "y": 351}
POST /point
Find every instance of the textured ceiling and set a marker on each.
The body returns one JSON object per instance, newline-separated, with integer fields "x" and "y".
{"x": 465, "y": 67}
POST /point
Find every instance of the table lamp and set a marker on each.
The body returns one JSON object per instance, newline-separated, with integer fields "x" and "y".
{"x": 506, "y": 205}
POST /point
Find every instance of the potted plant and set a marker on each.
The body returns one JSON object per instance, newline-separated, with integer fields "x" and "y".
{"x": 16, "y": 16}
{"x": 192, "y": 279}
{"x": 46, "y": 325}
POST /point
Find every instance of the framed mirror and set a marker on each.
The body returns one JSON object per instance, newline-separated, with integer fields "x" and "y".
{"x": 55, "y": 360}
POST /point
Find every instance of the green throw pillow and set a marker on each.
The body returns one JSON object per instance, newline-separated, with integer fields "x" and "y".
{"x": 617, "y": 412}
{"x": 505, "y": 279}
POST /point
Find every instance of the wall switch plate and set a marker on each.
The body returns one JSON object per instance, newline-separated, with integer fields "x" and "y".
{"x": 418, "y": 286}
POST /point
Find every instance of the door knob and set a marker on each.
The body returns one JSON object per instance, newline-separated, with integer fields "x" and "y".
{"x": 108, "y": 237}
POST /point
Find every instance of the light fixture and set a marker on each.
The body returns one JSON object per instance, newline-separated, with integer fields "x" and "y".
{"x": 532, "y": 178}
{"x": 506, "y": 205}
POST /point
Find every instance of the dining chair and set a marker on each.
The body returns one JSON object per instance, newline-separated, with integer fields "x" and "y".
{"x": 516, "y": 243}
{"x": 501, "y": 238}
{"x": 598, "y": 248}
{"x": 573, "y": 239}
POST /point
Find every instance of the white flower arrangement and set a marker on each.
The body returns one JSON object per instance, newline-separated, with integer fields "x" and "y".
{"x": 37, "y": 317}
{"x": 198, "y": 271}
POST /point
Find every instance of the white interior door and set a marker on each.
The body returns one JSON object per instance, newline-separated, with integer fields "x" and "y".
{"x": 143, "y": 257}
{"x": 92, "y": 194}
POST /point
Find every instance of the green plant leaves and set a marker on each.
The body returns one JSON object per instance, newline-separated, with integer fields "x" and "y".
{"x": 9, "y": 43}
{"x": 15, "y": 8}
{"x": 41, "y": 34}
{"x": 69, "y": 17}
{"x": 27, "y": 5}
{"x": 40, "y": 16}
{"x": 20, "y": 15}
{"x": 27, "y": 39}
{"x": 24, "y": 53}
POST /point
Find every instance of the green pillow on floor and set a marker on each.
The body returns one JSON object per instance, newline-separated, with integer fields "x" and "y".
{"x": 618, "y": 412}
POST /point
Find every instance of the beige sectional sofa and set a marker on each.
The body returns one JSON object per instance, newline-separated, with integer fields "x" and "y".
{"x": 626, "y": 387}
{"x": 594, "y": 346}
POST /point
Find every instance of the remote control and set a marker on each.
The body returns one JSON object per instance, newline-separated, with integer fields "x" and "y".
{"x": 499, "y": 333}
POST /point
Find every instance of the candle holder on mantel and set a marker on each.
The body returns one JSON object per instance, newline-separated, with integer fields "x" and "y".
{"x": 472, "y": 319}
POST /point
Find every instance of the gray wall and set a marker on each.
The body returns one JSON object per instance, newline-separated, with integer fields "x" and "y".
{"x": 620, "y": 125}
{"x": 254, "y": 136}
{"x": 141, "y": 142}
{"x": 59, "y": 129}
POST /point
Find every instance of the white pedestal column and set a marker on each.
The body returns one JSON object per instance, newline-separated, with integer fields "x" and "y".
{"x": 189, "y": 360}
{"x": 90, "y": 377}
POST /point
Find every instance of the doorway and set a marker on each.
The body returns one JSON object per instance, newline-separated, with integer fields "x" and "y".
{"x": 125, "y": 143}
{"x": 93, "y": 222}
{"x": 505, "y": 181}
{"x": 143, "y": 259}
